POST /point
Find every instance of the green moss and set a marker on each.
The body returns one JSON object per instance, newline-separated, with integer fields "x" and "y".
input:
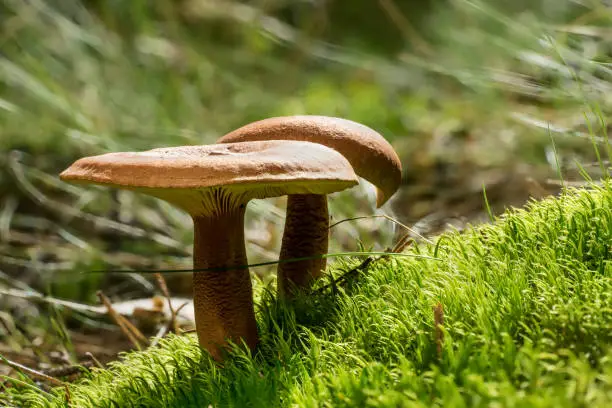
{"x": 528, "y": 322}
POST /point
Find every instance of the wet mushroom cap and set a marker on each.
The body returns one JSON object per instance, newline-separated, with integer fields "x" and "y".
{"x": 371, "y": 156}
{"x": 199, "y": 178}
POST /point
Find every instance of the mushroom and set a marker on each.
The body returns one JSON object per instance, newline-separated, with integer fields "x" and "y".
{"x": 213, "y": 184}
{"x": 307, "y": 222}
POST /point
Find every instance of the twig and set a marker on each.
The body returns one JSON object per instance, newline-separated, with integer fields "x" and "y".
{"x": 438, "y": 311}
{"x": 165, "y": 329}
{"x": 178, "y": 309}
{"x": 172, "y": 323}
{"x": 36, "y": 374}
{"x": 188, "y": 331}
{"x": 403, "y": 242}
{"x": 126, "y": 327}
{"x": 345, "y": 277}
{"x": 39, "y": 297}
{"x": 94, "y": 359}
{"x": 164, "y": 288}
{"x": 68, "y": 370}
{"x": 393, "y": 220}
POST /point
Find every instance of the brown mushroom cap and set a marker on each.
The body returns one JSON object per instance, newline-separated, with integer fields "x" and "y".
{"x": 200, "y": 178}
{"x": 371, "y": 156}
{"x": 213, "y": 183}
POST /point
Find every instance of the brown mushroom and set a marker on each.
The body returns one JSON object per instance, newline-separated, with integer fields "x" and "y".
{"x": 307, "y": 222}
{"x": 213, "y": 184}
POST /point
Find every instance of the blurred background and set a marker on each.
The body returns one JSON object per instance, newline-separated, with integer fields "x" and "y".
{"x": 512, "y": 96}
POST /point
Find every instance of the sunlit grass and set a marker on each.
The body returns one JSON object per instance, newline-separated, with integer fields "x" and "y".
{"x": 527, "y": 321}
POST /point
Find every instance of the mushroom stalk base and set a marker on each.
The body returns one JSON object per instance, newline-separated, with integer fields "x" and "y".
{"x": 223, "y": 299}
{"x": 306, "y": 234}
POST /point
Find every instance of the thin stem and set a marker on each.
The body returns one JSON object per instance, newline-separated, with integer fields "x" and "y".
{"x": 223, "y": 302}
{"x": 306, "y": 235}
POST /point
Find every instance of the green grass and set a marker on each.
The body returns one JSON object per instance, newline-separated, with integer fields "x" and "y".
{"x": 528, "y": 322}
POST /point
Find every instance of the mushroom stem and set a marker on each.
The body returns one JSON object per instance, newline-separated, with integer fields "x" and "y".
{"x": 306, "y": 234}
{"x": 223, "y": 300}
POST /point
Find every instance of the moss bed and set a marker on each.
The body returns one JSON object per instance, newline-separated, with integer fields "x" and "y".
{"x": 527, "y": 322}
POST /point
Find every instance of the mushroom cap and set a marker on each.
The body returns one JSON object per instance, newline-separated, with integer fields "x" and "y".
{"x": 207, "y": 179}
{"x": 372, "y": 157}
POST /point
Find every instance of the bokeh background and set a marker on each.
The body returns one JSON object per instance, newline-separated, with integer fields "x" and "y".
{"x": 510, "y": 96}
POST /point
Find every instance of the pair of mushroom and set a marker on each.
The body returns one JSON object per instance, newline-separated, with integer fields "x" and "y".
{"x": 304, "y": 157}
